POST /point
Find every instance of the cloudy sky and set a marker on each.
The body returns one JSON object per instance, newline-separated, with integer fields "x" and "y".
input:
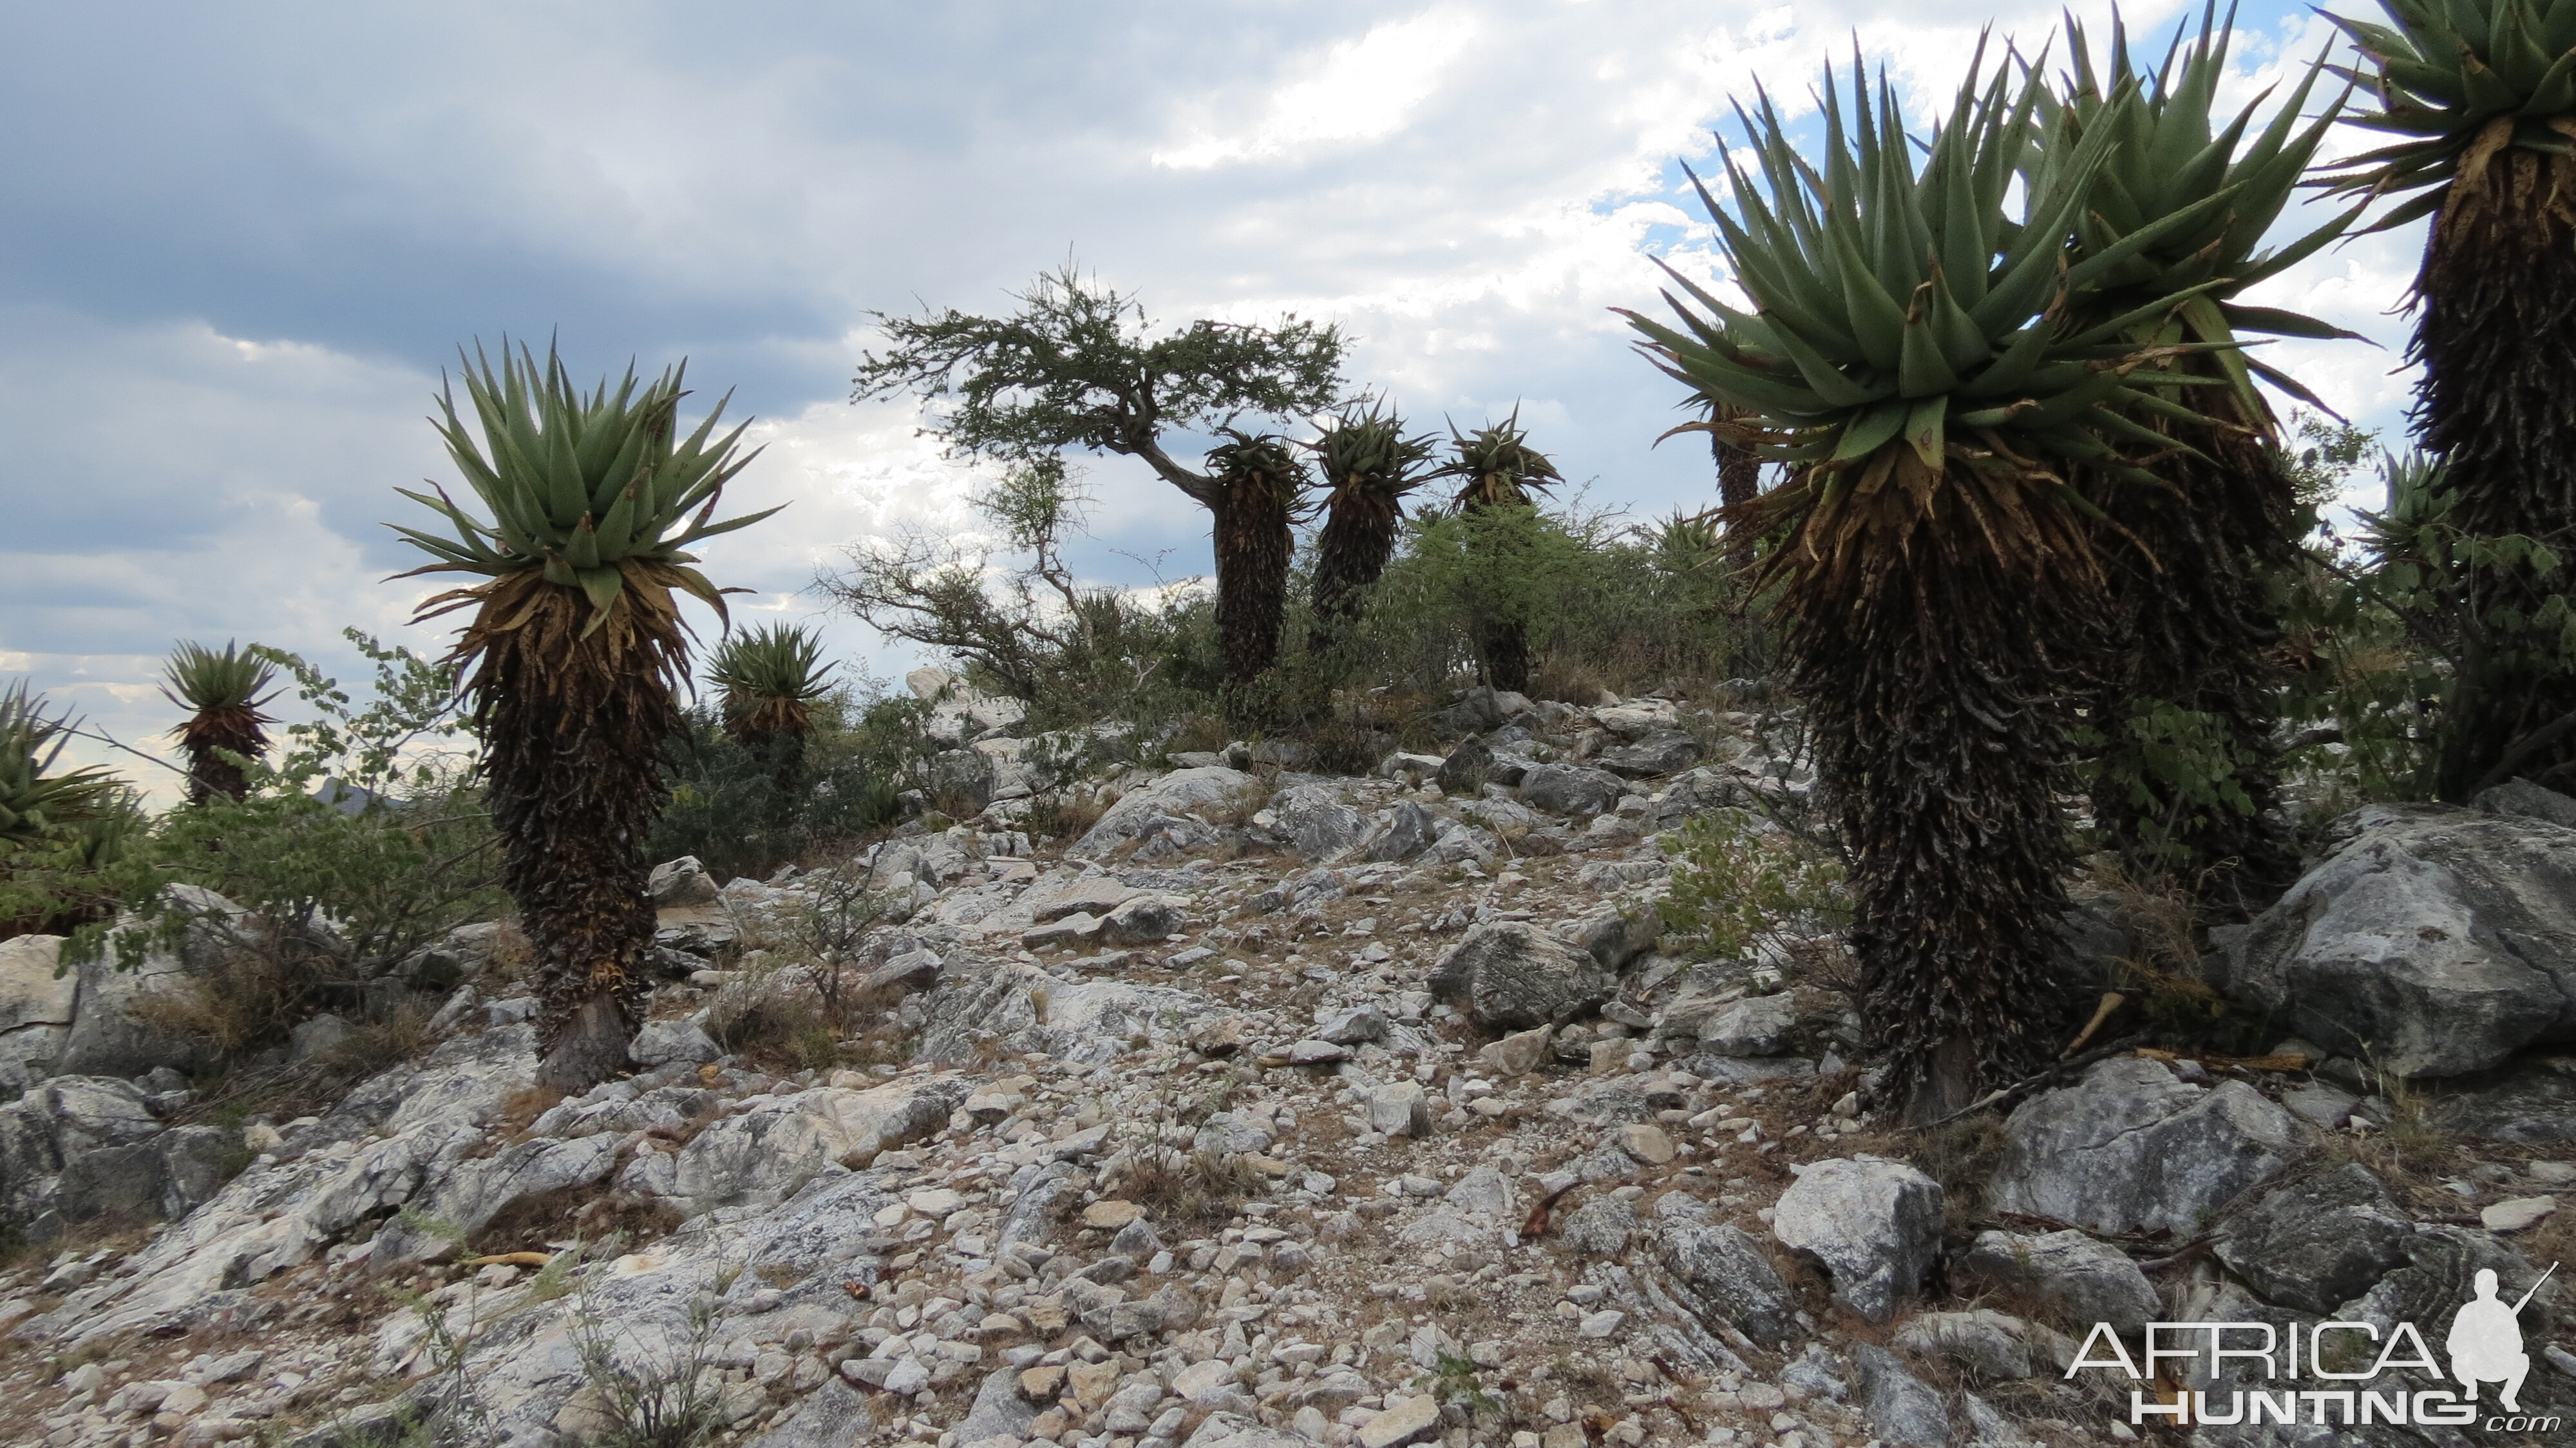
{"x": 243, "y": 240}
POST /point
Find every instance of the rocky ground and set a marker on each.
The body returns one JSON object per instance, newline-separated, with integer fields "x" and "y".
{"x": 1276, "y": 1110}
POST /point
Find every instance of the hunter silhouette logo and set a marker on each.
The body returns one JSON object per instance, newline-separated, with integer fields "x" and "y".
{"x": 2345, "y": 1361}
{"x": 2486, "y": 1341}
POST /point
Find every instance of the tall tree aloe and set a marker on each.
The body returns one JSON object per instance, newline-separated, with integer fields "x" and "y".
{"x": 1940, "y": 591}
{"x": 2194, "y": 554}
{"x": 2480, "y": 96}
{"x": 577, "y": 644}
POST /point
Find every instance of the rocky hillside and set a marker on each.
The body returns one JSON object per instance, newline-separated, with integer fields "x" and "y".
{"x": 1274, "y": 1110}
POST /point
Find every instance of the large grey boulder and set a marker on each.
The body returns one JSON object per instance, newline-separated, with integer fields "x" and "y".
{"x": 2317, "y": 1244}
{"x": 764, "y": 1155}
{"x": 62, "y": 1121}
{"x": 1318, "y": 823}
{"x": 678, "y": 884}
{"x": 1728, "y": 1277}
{"x": 1025, "y": 1009}
{"x": 2438, "y": 942}
{"x": 35, "y": 1009}
{"x": 1904, "y": 1410}
{"x": 471, "y": 1192}
{"x": 1874, "y": 1226}
{"x": 2129, "y": 1148}
{"x": 2534, "y": 1105}
{"x": 2082, "y": 1280}
{"x": 2522, "y": 797}
{"x": 1617, "y": 935}
{"x": 1570, "y": 790}
{"x": 1408, "y": 831}
{"x": 1509, "y": 975}
{"x": 1754, "y": 1026}
{"x": 1157, "y": 807}
{"x": 1467, "y": 769}
{"x": 1663, "y": 751}
{"x": 108, "y": 1037}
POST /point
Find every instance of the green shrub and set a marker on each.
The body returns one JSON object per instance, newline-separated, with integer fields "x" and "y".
{"x": 728, "y": 806}
{"x": 1741, "y": 883}
{"x": 365, "y": 841}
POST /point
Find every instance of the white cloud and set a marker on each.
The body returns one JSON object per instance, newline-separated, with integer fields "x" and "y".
{"x": 1355, "y": 91}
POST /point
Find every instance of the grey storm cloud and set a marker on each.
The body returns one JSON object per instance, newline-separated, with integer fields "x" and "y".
{"x": 244, "y": 240}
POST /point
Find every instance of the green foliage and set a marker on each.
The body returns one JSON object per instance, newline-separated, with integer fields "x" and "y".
{"x": 201, "y": 679}
{"x": 1078, "y": 365}
{"x": 579, "y": 485}
{"x": 1027, "y": 630}
{"x": 1365, "y": 449}
{"x": 330, "y": 894}
{"x": 1604, "y": 605}
{"x": 2176, "y": 765}
{"x": 1901, "y": 309}
{"x": 2391, "y": 625}
{"x": 1744, "y": 887}
{"x": 2334, "y": 449}
{"x": 2444, "y": 75}
{"x": 35, "y": 799}
{"x": 729, "y": 808}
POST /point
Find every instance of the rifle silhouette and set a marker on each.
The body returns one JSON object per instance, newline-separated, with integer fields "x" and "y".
{"x": 2535, "y": 1287}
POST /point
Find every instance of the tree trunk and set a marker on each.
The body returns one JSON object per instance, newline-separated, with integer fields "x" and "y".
{"x": 573, "y": 739}
{"x": 2497, "y": 340}
{"x": 2193, "y": 614}
{"x": 1350, "y": 555}
{"x": 1253, "y": 545}
{"x": 1936, "y": 680}
{"x": 206, "y": 738}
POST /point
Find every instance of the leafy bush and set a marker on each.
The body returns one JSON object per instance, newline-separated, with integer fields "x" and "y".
{"x": 365, "y": 841}
{"x": 1605, "y": 605}
{"x": 731, "y": 808}
{"x": 1743, "y": 886}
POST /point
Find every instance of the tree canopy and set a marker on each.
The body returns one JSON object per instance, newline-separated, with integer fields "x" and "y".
{"x": 1080, "y": 365}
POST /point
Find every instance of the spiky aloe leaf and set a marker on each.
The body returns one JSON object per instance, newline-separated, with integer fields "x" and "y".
{"x": 582, "y": 487}
{"x": 203, "y": 679}
{"x": 36, "y": 801}
{"x": 1903, "y": 307}
{"x": 769, "y": 676}
{"x": 2451, "y": 76}
{"x": 1497, "y": 464}
{"x": 2174, "y": 157}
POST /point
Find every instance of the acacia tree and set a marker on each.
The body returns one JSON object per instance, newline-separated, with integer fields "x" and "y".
{"x": 1079, "y": 365}
{"x": 577, "y": 644}
{"x": 1939, "y": 589}
{"x": 2481, "y": 97}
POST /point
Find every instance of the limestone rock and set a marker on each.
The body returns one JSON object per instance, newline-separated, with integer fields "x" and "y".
{"x": 661, "y": 1042}
{"x": 1875, "y": 1226}
{"x": 1511, "y": 975}
{"x": 2316, "y": 1244}
{"x": 1316, "y": 820}
{"x": 2440, "y": 939}
{"x": 1755, "y": 1026}
{"x": 1724, "y": 1269}
{"x": 1144, "y": 811}
{"x": 681, "y": 883}
{"x": 1906, "y": 1412}
{"x": 1519, "y": 1053}
{"x": 1571, "y": 790}
{"x": 2129, "y": 1148}
{"x": 2084, "y": 1280}
{"x": 1661, "y": 751}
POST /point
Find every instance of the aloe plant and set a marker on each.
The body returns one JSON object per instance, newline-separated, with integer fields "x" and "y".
{"x": 1909, "y": 355}
{"x": 2479, "y": 97}
{"x": 576, "y": 645}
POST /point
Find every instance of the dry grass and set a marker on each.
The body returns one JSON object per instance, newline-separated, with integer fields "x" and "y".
{"x": 1962, "y": 1156}
{"x": 1066, "y": 814}
{"x": 1191, "y": 1186}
